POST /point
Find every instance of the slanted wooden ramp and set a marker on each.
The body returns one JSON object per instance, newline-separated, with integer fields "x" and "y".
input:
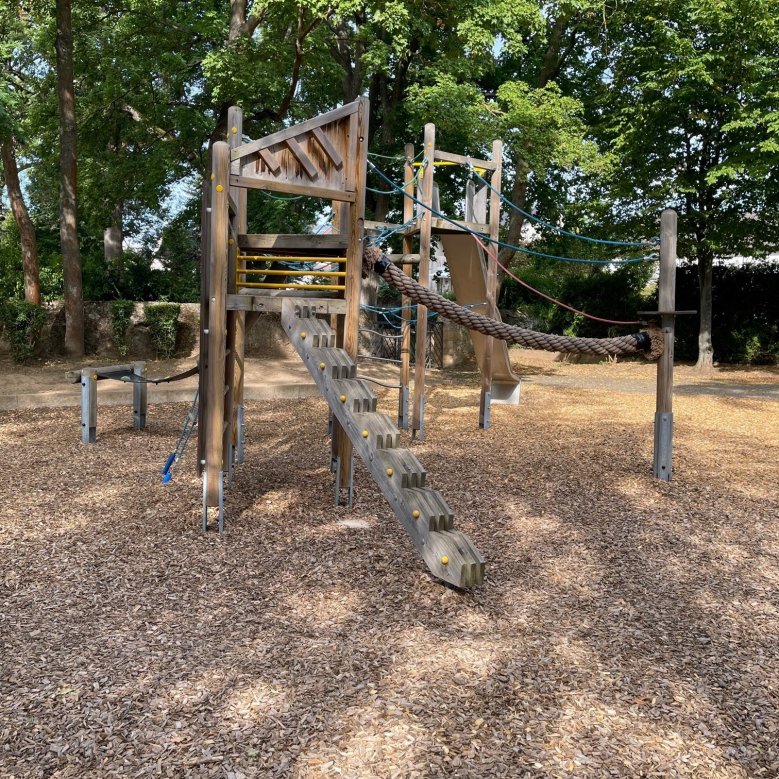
{"x": 422, "y": 512}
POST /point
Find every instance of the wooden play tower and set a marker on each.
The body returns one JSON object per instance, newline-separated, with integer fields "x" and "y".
{"x": 245, "y": 276}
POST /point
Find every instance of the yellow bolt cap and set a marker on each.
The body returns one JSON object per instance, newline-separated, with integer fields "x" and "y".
{"x": 219, "y": 188}
{"x": 322, "y": 366}
{"x": 415, "y": 514}
{"x": 445, "y": 560}
{"x": 234, "y": 130}
{"x": 365, "y": 433}
{"x": 231, "y": 241}
{"x": 342, "y": 398}
{"x": 390, "y": 471}
{"x": 303, "y": 334}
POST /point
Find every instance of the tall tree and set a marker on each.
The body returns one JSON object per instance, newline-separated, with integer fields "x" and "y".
{"x": 15, "y": 92}
{"x": 71, "y": 256}
{"x": 32, "y": 282}
{"x": 688, "y": 104}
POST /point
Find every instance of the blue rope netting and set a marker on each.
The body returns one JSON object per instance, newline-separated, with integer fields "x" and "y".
{"x": 522, "y": 249}
{"x": 549, "y": 225}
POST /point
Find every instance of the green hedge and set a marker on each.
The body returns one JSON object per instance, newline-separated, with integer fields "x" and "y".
{"x": 162, "y": 320}
{"x": 745, "y": 318}
{"x": 23, "y": 323}
{"x": 121, "y": 313}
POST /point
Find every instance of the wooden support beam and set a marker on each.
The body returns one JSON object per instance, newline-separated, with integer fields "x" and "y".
{"x": 307, "y": 190}
{"x": 290, "y": 242}
{"x": 358, "y": 145}
{"x": 405, "y": 341}
{"x": 140, "y": 396}
{"x": 305, "y": 162}
{"x": 445, "y": 156}
{"x": 662, "y": 465}
{"x": 238, "y": 327}
{"x": 425, "y": 233}
{"x": 485, "y": 397}
{"x": 217, "y": 323}
{"x": 205, "y": 268}
{"x": 267, "y": 304}
{"x": 88, "y": 406}
{"x": 273, "y": 164}
{"x": 328, "y": 148}
{"x": 290, "y": 132}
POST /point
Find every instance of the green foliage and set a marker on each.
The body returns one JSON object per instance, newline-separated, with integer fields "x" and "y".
{"x": 121, "y": 313}
{"x": 745, "y": 325}
{"x": 22, "y": 323}
{"x": 162, "y": 320}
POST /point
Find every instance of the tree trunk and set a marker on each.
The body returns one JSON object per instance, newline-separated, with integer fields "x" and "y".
{"x": 705, "y": 284}
{"x": 71, "y": 257}
{"x": 113, "y": 237}
{"x": 32, "y": 283}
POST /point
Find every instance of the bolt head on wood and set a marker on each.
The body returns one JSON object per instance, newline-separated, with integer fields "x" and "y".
{"x": 445, "y": 560}
{"x": 365, "y": 433}
{"x": 415, "y": 513}
{"x": 342, "y": 398}
{"x": 233, "y": 130}
{"x": 322, "y": 366}
{"x": 303, "y": 335}
{"x": 390, "y": 471}
{"x": 219, "y": 188}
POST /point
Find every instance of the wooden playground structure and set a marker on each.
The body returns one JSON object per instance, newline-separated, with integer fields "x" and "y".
{"x": 245, "y": 275}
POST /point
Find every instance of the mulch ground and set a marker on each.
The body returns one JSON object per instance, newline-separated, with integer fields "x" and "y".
{"x": 627, "y": 627}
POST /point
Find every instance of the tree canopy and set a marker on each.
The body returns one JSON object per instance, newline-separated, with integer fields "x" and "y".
{"x": 609, "y": 113}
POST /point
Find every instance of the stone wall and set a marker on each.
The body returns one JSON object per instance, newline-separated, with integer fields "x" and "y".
{"x": 266, "y": 338}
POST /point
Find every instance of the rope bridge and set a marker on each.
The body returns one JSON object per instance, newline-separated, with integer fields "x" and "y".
{"x": 649, "y": 342}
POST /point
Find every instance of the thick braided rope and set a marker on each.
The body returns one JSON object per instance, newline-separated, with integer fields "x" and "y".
{"x": 649, "y": 343}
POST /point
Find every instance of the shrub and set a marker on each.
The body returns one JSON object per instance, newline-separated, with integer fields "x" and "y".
{"x": 23, "y": 323}
{"x": 121, "y": 312}
{"x": 162, "y": 320}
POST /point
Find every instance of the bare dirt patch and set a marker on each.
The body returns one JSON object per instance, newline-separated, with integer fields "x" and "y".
{"x": 627, "y": 626}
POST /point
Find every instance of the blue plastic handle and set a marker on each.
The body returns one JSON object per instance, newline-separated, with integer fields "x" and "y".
{"x": 169, "y": 462}
{"x": 167, "y": 477}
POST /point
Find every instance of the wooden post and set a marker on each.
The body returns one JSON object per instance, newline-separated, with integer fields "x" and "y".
{"x": 205, "y": 266}
{"x": 358, "y": 131}
{"x": 663, "y": 443}
{"x": 425, "y": 235}
{"x": 140, "y": 396}
{"x": 217, "y": 324}
{"x": 405, "y": 332}
{"x": 238, "y": 194}
{"x": 492, "y": 284}
{"x": 88, "y": 406}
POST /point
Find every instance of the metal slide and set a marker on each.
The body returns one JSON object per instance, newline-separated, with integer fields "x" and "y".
{"x": 469, "y": 279}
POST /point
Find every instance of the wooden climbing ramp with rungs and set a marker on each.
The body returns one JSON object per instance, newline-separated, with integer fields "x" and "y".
{"x": 423, "y": 512}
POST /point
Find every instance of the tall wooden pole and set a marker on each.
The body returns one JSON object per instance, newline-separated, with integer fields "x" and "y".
{"x": 358, "y": 131}
{"x": 425, "y": 236}
{"x": 492, "y": 285}
{"x": 405, "y": 332}
{"x": 663, "y": 444}
{"x": 217, "y": 323}
{"x": 238, "y": 194}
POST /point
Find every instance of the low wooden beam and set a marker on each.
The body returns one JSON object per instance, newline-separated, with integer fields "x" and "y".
{"x": 306, "y": 190}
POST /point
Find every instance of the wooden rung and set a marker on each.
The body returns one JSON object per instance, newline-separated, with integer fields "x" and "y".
{"x": 302, "y": 158}
{"x": 292, "y": 286}
{"x": 286, "y": 272}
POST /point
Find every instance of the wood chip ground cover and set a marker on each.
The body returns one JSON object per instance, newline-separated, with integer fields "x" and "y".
{"x": 628, "y": 627}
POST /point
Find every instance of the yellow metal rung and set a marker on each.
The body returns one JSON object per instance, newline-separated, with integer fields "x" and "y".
{"x": 265, "y": 271}
{"x": 291, "y": 286}
{"x": 280, "y": 258}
